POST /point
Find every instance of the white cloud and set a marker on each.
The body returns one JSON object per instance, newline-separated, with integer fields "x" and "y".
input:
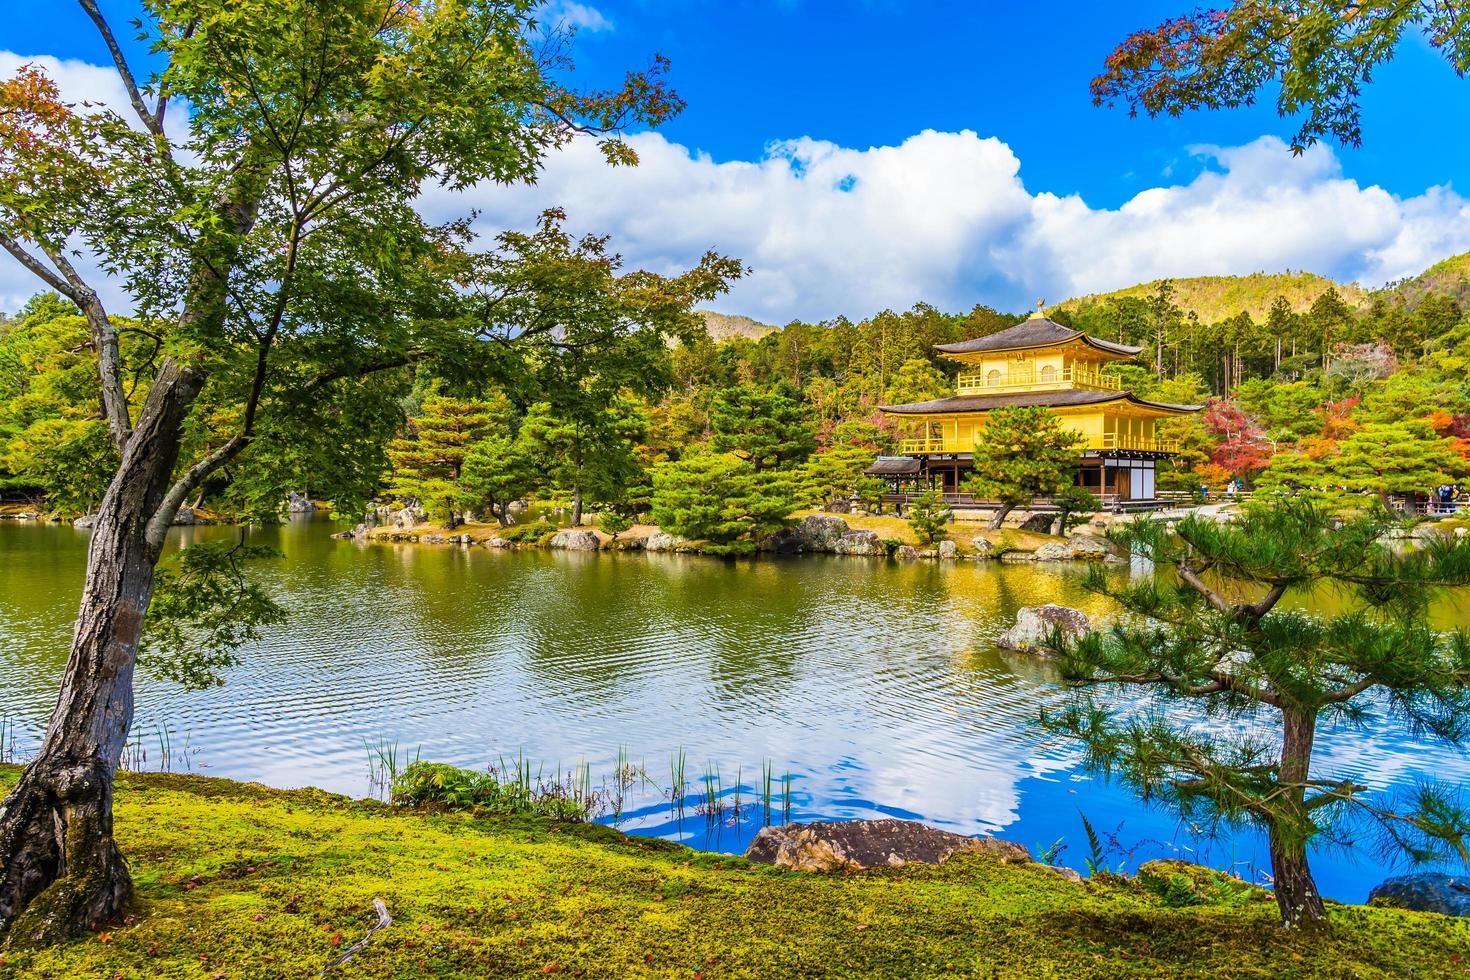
{"x": 578, "y": 15}
{"x": 945, "y": 218}
{"x": 942, "y": 217}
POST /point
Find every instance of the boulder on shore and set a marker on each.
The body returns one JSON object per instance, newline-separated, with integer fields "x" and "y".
{"x": 821, "y": 532}
{"x": 864, "y": 543}
{"x": 664, "y": 541}
{"x": 85, "y": 521}
{"x": 948, "y": 550}
{"x": 908, "y": 552}
{"x": 1052, "y": 551}
{"x": 1091, "y": 547}
{"x": 1034, "y": 626}
{"x": 1427, "y": 892}
{"x": 576, "y": 541}
{"x": 849, "y": 845}
{"x": 983, "y": 547}
{"x": 787, "y": 541}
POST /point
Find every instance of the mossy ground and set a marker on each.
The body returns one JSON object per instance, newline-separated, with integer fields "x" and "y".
{"x": 239, "y": 881}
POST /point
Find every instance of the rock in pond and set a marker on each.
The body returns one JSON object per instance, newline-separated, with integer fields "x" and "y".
{"x": 576, "y": 541}
{"x": 85, "y": 521}
{"x": 948, "y": 550}
{"x": 1427, "y": 892}
{"x": 1091, "y": 547}
{"x": 1034, "y": 625}
{"x": 849, "y": 845}
{"x": 908, "y": 552}
{"x": 787, "y": 541}
{"x": 863, "y": 543}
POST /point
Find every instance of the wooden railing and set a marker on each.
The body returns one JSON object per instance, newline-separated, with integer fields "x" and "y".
{"x": 943, "y": 444}
{"x": 979, "y": 383}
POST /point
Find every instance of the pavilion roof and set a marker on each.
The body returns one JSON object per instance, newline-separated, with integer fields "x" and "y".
{"x": 1065, "y": 398}
{"x": 1035, "y": 332}
{"x": 893, "y": 466}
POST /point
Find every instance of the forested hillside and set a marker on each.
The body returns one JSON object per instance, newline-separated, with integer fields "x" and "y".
{"x": 1306, "y": 384}
{"x": 1213, "y": 298}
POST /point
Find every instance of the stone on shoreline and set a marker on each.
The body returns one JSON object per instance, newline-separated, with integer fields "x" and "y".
{"x": 664, "y": 541}
{"x": 576, "y": 541}
{"x": 1034, "y": 626}
{"x": 850, "y": 845}
{"x": 948, "y": 550}
{"x": 1446, "y": 894}
{"x": 866, "y": 544}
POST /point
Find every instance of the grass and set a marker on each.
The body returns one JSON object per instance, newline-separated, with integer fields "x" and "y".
{"x": 962, "y": 532}
{"x": 239, "y": 881}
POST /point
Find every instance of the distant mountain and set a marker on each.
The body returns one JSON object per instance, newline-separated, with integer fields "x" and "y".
{"x": 724, "y": 326}
{"x": 1215, "y": 298}
{"x": 1450, "y": 278}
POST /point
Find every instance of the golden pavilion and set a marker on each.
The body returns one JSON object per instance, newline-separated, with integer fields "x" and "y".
{"x": 1038, "y": 362}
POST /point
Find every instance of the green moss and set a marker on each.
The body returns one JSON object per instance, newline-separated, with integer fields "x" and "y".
{"x": 243, "y": 881}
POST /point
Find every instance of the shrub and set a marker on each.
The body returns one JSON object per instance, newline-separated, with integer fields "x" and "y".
{"x": 529, "y": 533}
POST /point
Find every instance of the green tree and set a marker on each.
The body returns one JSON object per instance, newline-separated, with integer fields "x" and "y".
{"x": 723, "y": 500}
{"x": 591, "y": 457}
{"x": 1214, "y": 643}
{"x": 1021, "y": 454}
{"x": 930, "y": 517}
{"x": 763, "y": 426}
{"x": 1319, "y": 54}
{"x": 273, "y": 250}
{"x": 917, "y": 380}
{"x": 497, "y": 471}
{"x": 835, "y": 474}
{"x": 1386, "y": 458}
{"x": 1074, "y": 506}
{"x": 428, "y": 460}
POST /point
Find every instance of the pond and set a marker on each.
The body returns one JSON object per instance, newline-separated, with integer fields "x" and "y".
{"x": 873, "y": 685}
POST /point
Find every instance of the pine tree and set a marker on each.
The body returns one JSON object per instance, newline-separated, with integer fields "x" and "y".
{"x": 763, "y": 426}
{"x": 497, "y": 471}
{"x": 1213, "y": 639}
{"x": 427, "y": 460}
{"x": 1021, "y": 454}
{"x": 930, "y": 516}
{"x": 722, "y": 500}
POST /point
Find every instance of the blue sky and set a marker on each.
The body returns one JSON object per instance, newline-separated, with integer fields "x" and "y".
{"x": 874, "y": 153}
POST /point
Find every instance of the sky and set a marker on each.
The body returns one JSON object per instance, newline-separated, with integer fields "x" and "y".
{"x": 873, "y": 154}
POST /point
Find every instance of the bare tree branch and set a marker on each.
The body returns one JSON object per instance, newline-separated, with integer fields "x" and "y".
{"x": 153, "y": 121}
{"x": 104, "y": 338}
{"x": 163, "y": 517}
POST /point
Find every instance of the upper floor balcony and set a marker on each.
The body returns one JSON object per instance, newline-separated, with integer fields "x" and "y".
{"x": 945, "y": 444}
{"x": 1049, "y": 378}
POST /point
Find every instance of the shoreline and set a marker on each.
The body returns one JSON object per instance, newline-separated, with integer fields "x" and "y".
{"x": 238, "y": 880}
{"x": 815, "y": 532}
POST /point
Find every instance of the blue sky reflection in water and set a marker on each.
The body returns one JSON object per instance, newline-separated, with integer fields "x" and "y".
{"x": 874, "y": 684}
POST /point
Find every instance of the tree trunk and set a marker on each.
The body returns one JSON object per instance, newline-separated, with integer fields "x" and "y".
{"x": 577, "y": 506}
{"x": 1000, "y": 516}
{"x": 60, "y": 871}
{"x": 1290, "y": 829}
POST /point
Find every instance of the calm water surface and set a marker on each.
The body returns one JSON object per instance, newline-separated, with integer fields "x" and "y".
{"x": 874, "y": 684}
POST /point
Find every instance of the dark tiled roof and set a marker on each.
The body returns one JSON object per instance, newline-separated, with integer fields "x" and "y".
{"x": 1036, "y": 332}
{"x": 1045, "y": 399}
{"x": 893, "y": 466}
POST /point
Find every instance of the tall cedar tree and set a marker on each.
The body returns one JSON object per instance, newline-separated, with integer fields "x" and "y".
{"x": 1021, "y": 454}
{"x": 1214, "y": 640}
{"x": 764, "y": 426}
{"x": 428, "y": 459}
{"x": 272, "y": 246}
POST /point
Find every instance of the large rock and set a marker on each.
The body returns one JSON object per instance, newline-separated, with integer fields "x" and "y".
{"x": 983, "y": 547}
{"x": 299, "y": 503}
{"x": 821, "y": 532}
{"x": 576, "y": 541}
{"x": 1034, "y": 626}
{"x": 908, "y": 552}
{"x": 948, "y": 550}
{"x": 864, "y": 543}
{"x": 664, "y": 541}
{"x": 186, "y": 517}
{"x": 853, "y": 844}
{"x": 86, "y": 520}
{"x": 1052, "y": 551}
{"x": 787, "y": 541}
{"x": 1090, "y": 547}
{"x": 409, "y": 516}
{"x": 1427, "y": 892}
